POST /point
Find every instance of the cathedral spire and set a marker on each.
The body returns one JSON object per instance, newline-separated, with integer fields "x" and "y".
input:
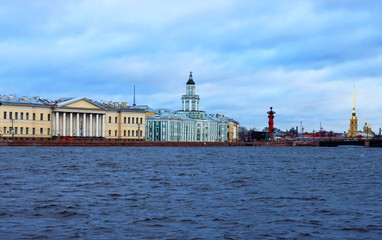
{"x": 353, "y": 128}
{"x": 353, "y": 112}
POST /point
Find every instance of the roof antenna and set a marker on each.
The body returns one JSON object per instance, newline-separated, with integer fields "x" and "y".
{"x": 134, "y": 96}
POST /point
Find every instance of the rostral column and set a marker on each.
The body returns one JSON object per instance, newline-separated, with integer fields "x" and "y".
{"x": 271, "y": 116}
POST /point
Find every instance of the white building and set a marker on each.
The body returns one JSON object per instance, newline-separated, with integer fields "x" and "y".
{"x": 187, "y": 125}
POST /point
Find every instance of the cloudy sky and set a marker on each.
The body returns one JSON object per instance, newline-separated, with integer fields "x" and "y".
{"x": 301, "y": 57}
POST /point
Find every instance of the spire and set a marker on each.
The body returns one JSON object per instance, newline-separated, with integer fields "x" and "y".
{"x": 353, "y": 129}
{"x": 354, "y": 97}
{"x": 190, "y": 80}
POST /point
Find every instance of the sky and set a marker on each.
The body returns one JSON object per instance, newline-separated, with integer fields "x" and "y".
{"x": 303, "y": 58}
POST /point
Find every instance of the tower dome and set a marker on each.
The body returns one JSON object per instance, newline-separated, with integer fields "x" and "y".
{"x": 190, "y": 80}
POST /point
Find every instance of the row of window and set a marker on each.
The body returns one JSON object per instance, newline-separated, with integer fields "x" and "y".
{"x": 16, "y": 115}
{"x": 20, "y": 130}
{"x": 128, "y": 133}
{"x": 128, "y": 120}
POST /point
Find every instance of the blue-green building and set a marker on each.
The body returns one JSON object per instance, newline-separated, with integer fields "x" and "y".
{"x": 189, "y": 124}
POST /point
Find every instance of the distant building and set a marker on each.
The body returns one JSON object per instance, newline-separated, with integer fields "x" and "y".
{"x": 367, "y": 130}
{"x": 190, "y": 124}
{"x": 35, "y": 118}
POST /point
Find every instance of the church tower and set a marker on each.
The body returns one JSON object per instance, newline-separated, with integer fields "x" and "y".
{"x": 353, "y": 129}
{"x": 190, "y": 101}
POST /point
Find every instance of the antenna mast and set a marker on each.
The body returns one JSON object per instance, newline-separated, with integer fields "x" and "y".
{"x": 134, "y": 96}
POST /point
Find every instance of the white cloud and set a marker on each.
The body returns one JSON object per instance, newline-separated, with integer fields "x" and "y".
{"x": 301, "y": 57}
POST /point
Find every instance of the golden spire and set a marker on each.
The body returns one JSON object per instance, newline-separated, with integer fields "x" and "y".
{"x": 353, "y": 129}
{"x": 354, "y": 97}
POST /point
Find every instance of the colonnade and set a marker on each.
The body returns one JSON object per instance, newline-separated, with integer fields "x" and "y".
{"x": 79, "y": 124}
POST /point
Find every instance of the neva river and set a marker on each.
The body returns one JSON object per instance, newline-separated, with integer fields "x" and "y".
{"x": 190, "y": 193}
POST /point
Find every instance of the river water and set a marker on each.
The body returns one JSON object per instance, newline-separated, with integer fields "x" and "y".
{"x": 190, "y": 193}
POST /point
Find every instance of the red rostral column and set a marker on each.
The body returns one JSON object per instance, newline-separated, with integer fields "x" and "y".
{"x": 270, "y": 122}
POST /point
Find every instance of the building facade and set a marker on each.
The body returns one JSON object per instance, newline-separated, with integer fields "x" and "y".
{"x": 32, "y": 118}
{"x": 190, "y": 124}
{"x": 181, "y": 128}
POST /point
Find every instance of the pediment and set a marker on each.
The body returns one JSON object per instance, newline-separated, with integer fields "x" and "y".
{"x": 81, "y": 103}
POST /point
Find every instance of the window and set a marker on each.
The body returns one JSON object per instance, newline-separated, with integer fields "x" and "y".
{"x": 21, "y": 130}
{"x": 132, "y": 120}
{"x": 48, "y": 117}
{"x": 48, "y": 131}
{"x": 41, "y": 131}
{"x": 27, "y": 130}
{"x": 109, "y": 119}
{"x": 22, "y": 116}
{"x": 33, "y": 131}
{"x": 10, "y": 115}
{"x": 16, "y": 115}
{"x": 132, "y": 133}
{"x": 109, "y": 133}
{"x": 5, "y": 130}
{"x": 141, "y": 120}
{"x": 5, "y": 115}
{"x": 16, "y": 130}
{"x": 124, "y": 132}
{"x": 116, "y": 119}
{"x": 128, "y": 132}
{"x": 128, "y": 120}
{"x": 27, "y": 116}
{"x": 116, "y": 132}
{"x": 136, "y": 120}
{"x": 41, "y": 116}
{"x": 34, "y": 116}
{"x": 124, "y": 120}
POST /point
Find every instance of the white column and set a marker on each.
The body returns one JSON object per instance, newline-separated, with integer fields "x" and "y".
{"x": 190, "y": 107}
{"x": 103, "y": 126}
{"x": 91, "y": 125}
{"x": 96, "y": 133}
{"x": 78, "y": 125}
{"x": 84, "y": 125}
{"x": 63, "y": 124}
{"x": 71, "y": 124}
{"x": 57, "y": 128}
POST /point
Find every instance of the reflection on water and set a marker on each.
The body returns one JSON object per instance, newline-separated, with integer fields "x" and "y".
{"x": 190, "y": 193}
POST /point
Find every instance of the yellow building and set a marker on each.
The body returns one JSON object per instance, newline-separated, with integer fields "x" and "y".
{"x": 233, "y": 131}
{"x": 232, "y": 128}
{"x": 367, "y": 130}
{"x": 36, "y": 118}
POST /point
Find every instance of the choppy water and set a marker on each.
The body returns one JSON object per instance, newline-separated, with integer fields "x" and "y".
{"x": 190, "y": 193}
